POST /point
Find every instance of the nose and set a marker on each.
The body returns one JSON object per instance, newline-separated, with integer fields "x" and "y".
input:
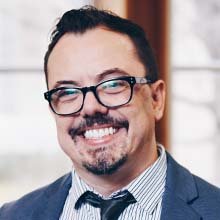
{"x": 92, "y": 106}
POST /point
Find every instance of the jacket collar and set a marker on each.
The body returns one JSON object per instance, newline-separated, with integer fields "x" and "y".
{"x": 180, "y": 192}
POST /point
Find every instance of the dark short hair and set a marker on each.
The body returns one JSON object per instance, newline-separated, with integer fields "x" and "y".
{"x": 88, "y": 17}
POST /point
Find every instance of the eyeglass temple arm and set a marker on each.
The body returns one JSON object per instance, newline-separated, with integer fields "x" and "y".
{"x": 143, "y": 80}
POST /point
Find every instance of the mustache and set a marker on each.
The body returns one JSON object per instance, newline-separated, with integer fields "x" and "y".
{"x": 97, "y": 119}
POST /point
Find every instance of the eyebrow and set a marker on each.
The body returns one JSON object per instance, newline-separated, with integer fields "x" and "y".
{"x": 108, "y": 72}
{"x": 66, "y": 82}
{"x": 99, "y": 77}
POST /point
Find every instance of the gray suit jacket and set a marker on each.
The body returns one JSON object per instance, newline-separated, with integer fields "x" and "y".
{"x": 186, "y": 197}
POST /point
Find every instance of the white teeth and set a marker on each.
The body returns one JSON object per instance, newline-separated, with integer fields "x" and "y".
{"x": 106, "y": 131}
{"x": 111, "y": 130}
{"x": 98, "y": 133}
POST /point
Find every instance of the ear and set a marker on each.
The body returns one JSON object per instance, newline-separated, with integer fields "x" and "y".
{"x": 158, "y": 98}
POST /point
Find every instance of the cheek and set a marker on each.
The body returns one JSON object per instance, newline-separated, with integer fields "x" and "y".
{"x": 141, "y": 111}
{"x": 63, "y": 125}
{"x": 65, "y": 141}
{"x": 141, "y": 119}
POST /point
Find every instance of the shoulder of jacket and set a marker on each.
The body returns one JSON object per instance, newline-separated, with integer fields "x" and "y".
{"x": 28, "y": 201}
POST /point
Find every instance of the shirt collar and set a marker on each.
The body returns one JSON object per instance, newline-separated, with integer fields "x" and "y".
{"x": 147, "y": 188}
{"x": 78, "y": 187}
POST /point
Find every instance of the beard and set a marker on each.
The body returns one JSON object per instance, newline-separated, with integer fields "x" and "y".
{"x": 104, "y": 167}
{"x": 104, "y": 161}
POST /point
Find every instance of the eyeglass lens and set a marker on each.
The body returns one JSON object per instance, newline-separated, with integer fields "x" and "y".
{"x": 111, "y": 93}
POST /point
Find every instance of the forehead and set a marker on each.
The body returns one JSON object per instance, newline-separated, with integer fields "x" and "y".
{"x": 84, "y": 56}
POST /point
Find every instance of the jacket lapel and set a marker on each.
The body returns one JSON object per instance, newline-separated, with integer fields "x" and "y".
{"x": 180, "y": 192}
{"x": 51, "y": 203}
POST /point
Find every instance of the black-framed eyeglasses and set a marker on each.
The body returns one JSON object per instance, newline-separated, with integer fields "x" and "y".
{"x": 111, "y": 93}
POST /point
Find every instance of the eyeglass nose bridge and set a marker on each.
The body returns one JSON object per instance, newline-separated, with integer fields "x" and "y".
{"x": 92, "y": 89}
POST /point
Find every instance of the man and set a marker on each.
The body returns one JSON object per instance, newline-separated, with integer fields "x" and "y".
{"x": 105, "y": 95}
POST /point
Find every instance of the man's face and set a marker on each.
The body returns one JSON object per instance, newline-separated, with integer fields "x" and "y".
{"x": 128, "y": 141}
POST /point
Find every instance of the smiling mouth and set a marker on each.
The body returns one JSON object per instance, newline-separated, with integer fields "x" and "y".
{"x": 99, "y": 133}
{"x": 98, "y": 127}
{"x": 96, "y": 132}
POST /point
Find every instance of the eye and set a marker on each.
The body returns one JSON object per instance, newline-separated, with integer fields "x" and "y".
{"x": 114, "y": 86}
{"x": 67, "y": 94}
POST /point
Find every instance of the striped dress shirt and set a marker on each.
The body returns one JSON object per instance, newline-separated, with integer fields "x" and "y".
{"x": 147, "y": 189}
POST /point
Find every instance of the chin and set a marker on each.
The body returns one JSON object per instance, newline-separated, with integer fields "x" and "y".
{"x": 104, "y": 167}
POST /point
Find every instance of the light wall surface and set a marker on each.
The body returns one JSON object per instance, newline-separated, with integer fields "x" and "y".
{"x": 195, "y": 66}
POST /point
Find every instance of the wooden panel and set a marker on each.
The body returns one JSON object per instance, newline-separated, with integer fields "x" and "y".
{"x": 153, "y": 16}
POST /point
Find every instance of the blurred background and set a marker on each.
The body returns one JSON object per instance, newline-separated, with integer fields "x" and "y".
{"x": 186, "y": 38}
